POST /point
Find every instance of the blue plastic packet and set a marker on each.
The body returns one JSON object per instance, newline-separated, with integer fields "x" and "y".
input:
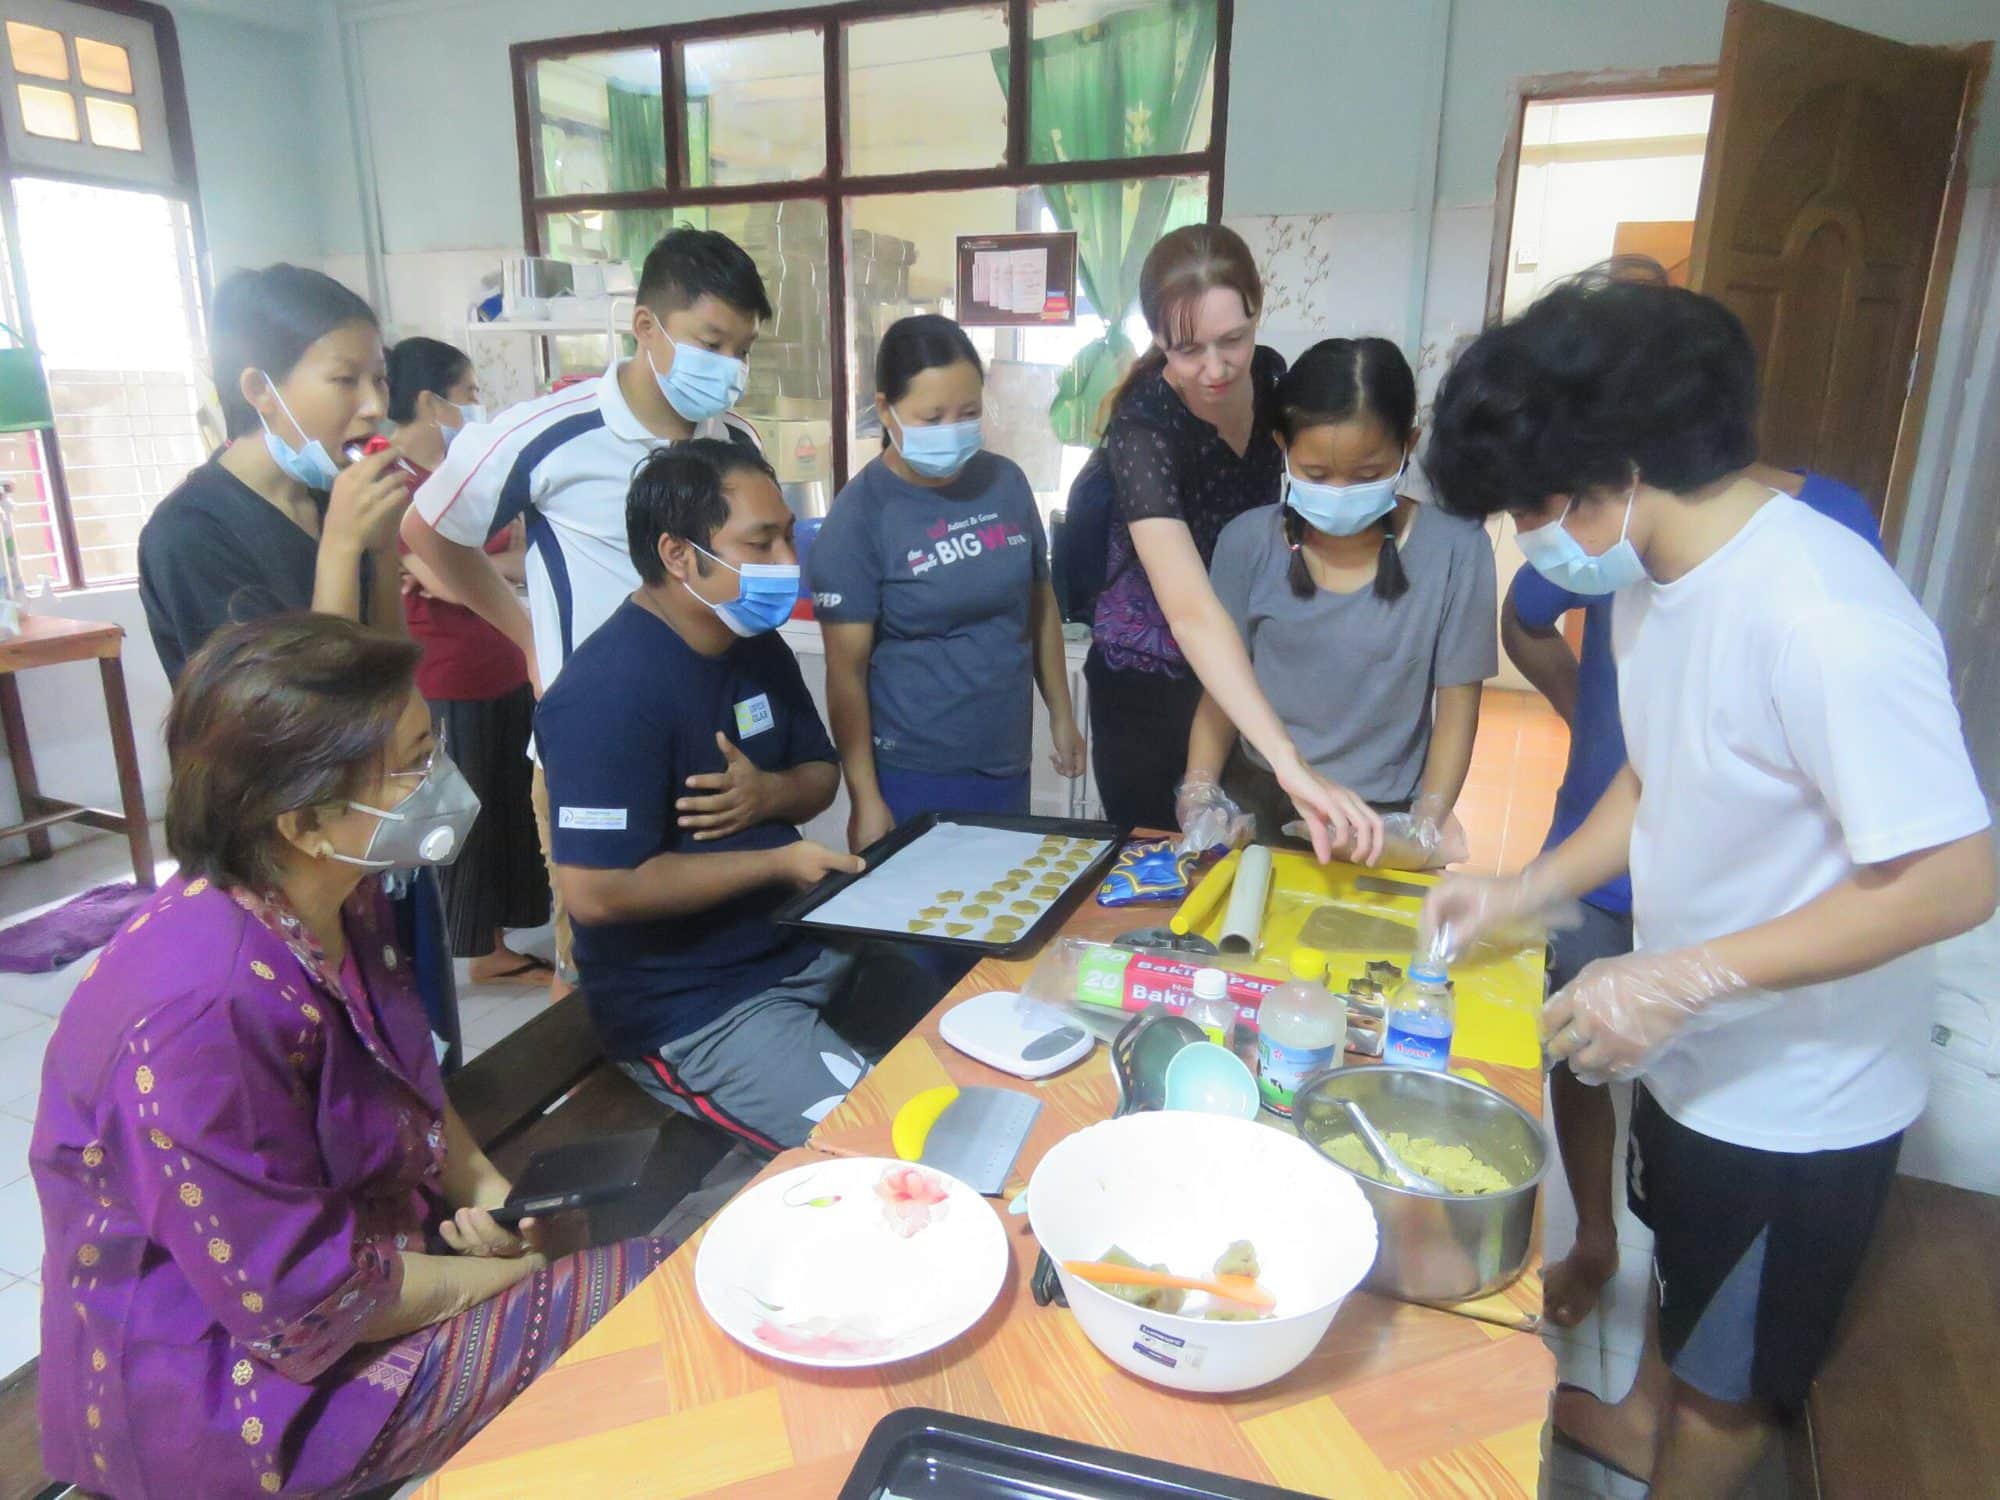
{"x": 1147, "y": 870}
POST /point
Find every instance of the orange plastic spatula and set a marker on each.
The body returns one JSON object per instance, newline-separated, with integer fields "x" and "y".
{"x": 1234, "y": 1288}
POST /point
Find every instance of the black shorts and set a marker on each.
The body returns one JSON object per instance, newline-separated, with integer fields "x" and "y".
{"x": 1754, "y": 1252}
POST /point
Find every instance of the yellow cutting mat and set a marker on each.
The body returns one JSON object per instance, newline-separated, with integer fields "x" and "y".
{"x": 1499, "y": 993}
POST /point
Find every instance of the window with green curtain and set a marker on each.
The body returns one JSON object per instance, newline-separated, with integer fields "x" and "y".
{"x": 1126, "y": 86}
{"x": 637, "y": 152}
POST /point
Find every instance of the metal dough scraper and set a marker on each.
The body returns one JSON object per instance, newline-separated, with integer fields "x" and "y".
{"x": 978, "y": 1136}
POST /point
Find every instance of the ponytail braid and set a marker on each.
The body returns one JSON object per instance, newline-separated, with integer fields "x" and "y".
{"x": 1391, "y": 582}
{"x": 1297, "y": 573}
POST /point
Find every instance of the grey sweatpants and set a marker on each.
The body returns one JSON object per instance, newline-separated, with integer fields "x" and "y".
{"x": 768, "y": 1069}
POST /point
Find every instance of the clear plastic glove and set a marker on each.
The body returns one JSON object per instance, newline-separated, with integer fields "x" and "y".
{"x": 1462, "y": 910}
{"x": 1208, "y": 817}
{"x": 1423, "y": 838}
{"x": 1614, "y": 1017}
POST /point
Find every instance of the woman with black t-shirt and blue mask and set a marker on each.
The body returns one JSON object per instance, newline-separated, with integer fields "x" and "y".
{"x": 930, "y": 580}
{"x": 278, "y": 520}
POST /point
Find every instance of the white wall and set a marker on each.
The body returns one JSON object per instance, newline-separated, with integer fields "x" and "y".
{"x": 251, "y": 88}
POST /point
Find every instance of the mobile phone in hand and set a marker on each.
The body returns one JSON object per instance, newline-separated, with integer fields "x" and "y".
{"x": 566, "y": 1178}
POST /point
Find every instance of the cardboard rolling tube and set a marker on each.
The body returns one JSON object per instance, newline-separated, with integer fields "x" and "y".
{"x": 1243, "y": 920}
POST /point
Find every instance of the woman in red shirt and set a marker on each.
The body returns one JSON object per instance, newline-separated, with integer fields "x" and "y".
{"x": 476, "y": 683}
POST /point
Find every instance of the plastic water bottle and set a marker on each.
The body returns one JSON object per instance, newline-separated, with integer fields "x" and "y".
{"x": 1422, "y": 1012}
{"x": 1212, "y": 1009}
{"x": 1301, "y": 1030}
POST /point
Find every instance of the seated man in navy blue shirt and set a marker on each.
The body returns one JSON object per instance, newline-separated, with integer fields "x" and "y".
{"x": 682, "y": 749}
{"x": 1586, "y": 695}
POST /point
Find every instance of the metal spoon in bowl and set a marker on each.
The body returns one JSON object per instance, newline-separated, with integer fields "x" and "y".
{"x": 1391, "y": 1163}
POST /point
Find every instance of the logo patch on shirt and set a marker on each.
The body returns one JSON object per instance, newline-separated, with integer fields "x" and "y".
{"x": 962, "y": 540}
{"x": 753, "y": 716}
{"x": 603, "y": 819}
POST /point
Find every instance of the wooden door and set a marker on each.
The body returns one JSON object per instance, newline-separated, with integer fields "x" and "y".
{"x": 1666, "y": 242}
{"x": 1822, "y": 200}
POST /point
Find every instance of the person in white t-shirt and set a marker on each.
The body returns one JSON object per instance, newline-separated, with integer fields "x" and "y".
{"x": 564, "y": 464}
{"x": 1800, "y": 821}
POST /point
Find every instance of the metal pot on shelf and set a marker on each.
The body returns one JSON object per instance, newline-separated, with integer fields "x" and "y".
{"x": 1437, "y": 1247}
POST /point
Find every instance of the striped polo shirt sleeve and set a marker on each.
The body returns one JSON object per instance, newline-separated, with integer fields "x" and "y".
{"x": 488, "y": 474}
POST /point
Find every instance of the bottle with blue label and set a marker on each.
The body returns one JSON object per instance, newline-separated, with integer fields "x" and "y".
{"x": 1421, "y": 1015}
{"x": 1301, "y": 1030}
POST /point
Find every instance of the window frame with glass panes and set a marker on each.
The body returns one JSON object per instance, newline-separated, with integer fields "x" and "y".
{"x": 1104, "y": 117}
{"x": 118, "y": 155}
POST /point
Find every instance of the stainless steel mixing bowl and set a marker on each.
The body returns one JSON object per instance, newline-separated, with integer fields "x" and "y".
{"x": 1438, "y": 1247}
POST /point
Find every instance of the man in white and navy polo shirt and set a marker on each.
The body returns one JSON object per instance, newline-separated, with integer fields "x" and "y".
{"x": 564, "y": 462}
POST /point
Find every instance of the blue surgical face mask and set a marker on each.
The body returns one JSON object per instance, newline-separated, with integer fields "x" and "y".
{"x": 764, "y": 599}
{"x": 1560, "y": 558}
{"x": 941, "y": 451}
{"x": 700, "y": 383}
{"x": 312, "y": 466}
{"x": 1341, "y": 509}
{"x": 467, "y": 416}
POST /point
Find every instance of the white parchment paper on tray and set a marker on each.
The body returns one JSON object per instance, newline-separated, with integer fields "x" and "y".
{"x": 943, "y": 872}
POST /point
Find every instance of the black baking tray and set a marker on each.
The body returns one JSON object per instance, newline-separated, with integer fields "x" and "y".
{"x": 798, "y": 911}
{"x": 919, "y": 1454}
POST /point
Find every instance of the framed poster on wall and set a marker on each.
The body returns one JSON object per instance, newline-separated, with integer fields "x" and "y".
{"x": 1016, "y": 280}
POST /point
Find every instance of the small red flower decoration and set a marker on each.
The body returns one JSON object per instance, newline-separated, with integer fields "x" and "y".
{"x": 912, "y": 1199}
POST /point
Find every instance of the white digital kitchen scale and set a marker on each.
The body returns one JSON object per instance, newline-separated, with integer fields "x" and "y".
{"x": 1015, "y": 1034}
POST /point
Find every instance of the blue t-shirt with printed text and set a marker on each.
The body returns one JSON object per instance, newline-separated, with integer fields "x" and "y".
{"x": 1596, "y": 739}
{"x": 947, "y": 577}
{"x": 633, "y": 715}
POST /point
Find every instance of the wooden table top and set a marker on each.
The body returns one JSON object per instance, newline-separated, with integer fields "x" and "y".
{"x": 657, "y": 1401}
{"x": 48, "y": 639}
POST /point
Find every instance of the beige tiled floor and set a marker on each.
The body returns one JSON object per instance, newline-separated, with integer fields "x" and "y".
{"x": 1517, "y": 764}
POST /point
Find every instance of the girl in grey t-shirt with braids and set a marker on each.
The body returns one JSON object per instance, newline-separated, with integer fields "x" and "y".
{"x": 1369, "y": 616}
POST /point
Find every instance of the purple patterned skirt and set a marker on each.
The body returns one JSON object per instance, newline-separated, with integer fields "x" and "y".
{"x": 485, "y": 1357}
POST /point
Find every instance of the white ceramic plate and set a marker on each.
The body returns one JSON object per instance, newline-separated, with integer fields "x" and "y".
{"x": 849, "y": 1263}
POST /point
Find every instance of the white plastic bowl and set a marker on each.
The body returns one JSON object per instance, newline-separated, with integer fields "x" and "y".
{"x": 1177, "y": 1188}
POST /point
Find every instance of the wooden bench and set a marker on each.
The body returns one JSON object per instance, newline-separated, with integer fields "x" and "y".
{"x": 549, "y": 1084}
{"x": 1909, "y": 1404}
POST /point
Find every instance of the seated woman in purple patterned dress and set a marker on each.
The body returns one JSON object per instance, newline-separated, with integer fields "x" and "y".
{"x": 270, "y": 1265}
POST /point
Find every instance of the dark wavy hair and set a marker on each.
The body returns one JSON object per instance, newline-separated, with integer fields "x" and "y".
{"x": 1602, "y": 378}
{"x": 283, "y": 714}
{"x": 677, "y": 492}
{"x": 1338, "y": 380}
